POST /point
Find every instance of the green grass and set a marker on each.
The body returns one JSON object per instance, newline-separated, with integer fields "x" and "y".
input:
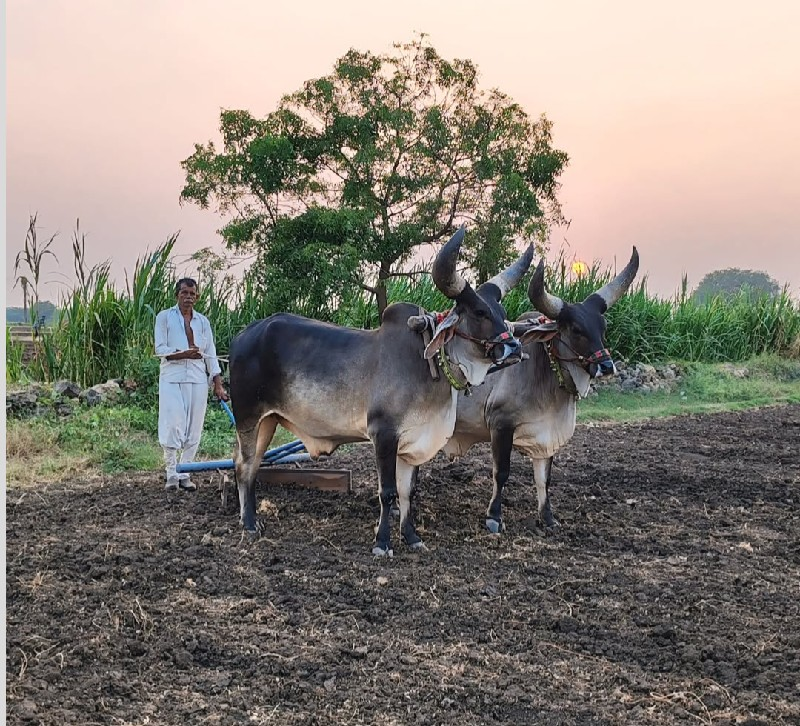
{"x": 705, "y": 388}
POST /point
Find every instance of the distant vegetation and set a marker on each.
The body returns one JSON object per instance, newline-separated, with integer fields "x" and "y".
{"x": 731, "y": 282}
{"x": 44, "y": 309}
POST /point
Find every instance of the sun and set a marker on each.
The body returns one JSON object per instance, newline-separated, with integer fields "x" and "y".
{"x": 579, "y": 269}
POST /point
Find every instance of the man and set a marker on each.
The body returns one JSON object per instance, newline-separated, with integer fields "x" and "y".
{"x": 185, "y": 343}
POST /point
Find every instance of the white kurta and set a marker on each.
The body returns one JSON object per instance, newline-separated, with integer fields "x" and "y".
{"x": 183, "y": 385}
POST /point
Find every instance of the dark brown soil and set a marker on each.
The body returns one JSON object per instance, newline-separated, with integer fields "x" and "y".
{"x": 670, "y": 596}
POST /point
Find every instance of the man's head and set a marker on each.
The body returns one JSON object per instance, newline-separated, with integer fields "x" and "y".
{"x": 186, "y": 293}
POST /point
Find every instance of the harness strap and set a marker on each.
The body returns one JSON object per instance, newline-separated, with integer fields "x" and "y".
{"x": 425, "y": 323}
{"x": 427, "y": 336}
{"x": 444, "y": 364}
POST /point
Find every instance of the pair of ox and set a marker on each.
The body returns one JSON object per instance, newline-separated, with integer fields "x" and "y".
{"x": 330, "y": 385}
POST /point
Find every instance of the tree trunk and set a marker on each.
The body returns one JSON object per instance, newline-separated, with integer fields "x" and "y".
{"x": 381, "y": 295}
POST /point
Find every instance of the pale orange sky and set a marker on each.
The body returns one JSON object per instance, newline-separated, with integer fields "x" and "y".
{"x": 680, "y": 119}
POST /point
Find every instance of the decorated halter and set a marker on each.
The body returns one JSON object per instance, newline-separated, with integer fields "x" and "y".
{"x": 492, "y": 346}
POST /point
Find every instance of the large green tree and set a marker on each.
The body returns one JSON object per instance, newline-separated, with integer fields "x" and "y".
{"x": 351, "y": 174}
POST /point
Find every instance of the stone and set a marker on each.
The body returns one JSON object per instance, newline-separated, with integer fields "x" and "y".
{"x": 107, "y": 392}
{"x": 67, "y": 389}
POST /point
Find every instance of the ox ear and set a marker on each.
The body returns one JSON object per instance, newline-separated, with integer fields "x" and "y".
{"x": 443, "y": 333}
{"x": 532, "y": 331}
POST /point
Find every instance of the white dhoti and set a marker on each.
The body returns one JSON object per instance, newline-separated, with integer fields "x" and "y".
{"x": 181, "y": 412}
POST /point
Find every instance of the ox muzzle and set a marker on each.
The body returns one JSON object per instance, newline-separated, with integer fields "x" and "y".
{"x": 600, "y": 363}
{"x": 504, "y": 350}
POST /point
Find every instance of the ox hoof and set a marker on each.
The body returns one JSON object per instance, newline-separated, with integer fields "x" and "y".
{"x": 418, "y": 546}
{"x": 256, "y": 532}
{"x": 551, "y": 524}
{"x": 495, "y": 526}
{"x": 382, "y": 552}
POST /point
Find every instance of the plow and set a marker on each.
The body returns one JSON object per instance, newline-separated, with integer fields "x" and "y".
{"x": 280, "y": 466}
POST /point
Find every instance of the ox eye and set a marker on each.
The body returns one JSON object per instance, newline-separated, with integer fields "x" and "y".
{"x": 481, "y": 313}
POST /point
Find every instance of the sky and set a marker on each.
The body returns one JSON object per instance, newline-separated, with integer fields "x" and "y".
{"x": 680, "y": 119}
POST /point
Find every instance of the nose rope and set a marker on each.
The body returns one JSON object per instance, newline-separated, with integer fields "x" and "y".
{"x": 488, "y": 343}
{"x": 583, "y": 361}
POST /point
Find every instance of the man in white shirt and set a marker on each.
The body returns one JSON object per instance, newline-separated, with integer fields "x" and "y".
{"x": 185, "y": 343}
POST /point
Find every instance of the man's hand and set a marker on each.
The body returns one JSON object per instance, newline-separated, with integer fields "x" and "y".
{"x": 192, "y": 353}
{"x": 219, "y": 390}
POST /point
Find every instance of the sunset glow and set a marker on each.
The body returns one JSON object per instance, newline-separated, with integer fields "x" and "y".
{"x": 679, "y": 120}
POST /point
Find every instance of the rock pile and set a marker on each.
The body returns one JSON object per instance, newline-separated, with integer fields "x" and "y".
{"x": 61, "y": 398}
{"x": 641, "y": 378}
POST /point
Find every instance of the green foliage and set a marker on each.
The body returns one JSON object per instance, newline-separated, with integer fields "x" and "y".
{"x": 351, "y": 173}
{"x": 643, "y": 328}
{"x": 111, "y": 438}
{"x": 732, "y": 281}
{"x": 103, "y": 333}
{"x": 312, "y": 261}
{"x": 15, "y": 369}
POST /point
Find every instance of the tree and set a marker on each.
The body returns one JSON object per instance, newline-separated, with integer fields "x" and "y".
{"x": 350, "y": 175}
{"x": 32, "y": 255}
{"x": 732, "y": 281}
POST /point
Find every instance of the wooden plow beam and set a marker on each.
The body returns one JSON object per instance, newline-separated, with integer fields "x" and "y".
{"x": 273, "y": 469}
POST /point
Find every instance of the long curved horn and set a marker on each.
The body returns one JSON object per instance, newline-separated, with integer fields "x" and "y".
{"x": 542, "y": 300}
{"x": 444, "y": 274}
{"x": 513, "y": 273}
{"x": 614, "y": 290}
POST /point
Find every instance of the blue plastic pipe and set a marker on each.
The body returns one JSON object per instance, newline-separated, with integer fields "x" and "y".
{"x": 293, "y": 447}
{"x": 227, "y": 410}
{"x": 228, "y": 463}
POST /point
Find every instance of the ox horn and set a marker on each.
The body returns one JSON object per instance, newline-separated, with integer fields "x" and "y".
{"x": 513, "y": 274}
{"x": 444, "y": 274}
{"x": 543, "y": 301}
{"x": 614, "y": 290}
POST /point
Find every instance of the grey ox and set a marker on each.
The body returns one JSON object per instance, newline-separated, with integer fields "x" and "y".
{"x": 331, "y": 385}
{"x": 531, "y": 407}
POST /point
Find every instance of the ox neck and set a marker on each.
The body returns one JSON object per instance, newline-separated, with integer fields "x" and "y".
{"x": 571, "y": 377}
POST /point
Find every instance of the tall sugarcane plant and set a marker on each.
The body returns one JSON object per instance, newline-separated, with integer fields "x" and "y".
{"x": 103, "y": 332}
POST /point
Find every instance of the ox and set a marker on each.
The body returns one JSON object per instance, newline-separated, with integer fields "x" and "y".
{"x": 331, "y": 385}
{"x": 531, "y": 407}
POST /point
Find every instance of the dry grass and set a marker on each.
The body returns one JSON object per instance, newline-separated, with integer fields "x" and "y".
{"x": 28, "y": 442}
{"x": 33, "y": 456}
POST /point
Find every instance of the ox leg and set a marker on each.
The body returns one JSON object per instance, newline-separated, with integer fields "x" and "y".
{"x": 541, "y": 475}
{"x": 251, "y": 445}
{"x": 386, "y": 457}
{"x": 406, "y": 482}
{"x": 502, "y": 443}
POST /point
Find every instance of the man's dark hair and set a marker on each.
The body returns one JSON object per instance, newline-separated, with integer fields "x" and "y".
{"x": 188, "y": 281}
